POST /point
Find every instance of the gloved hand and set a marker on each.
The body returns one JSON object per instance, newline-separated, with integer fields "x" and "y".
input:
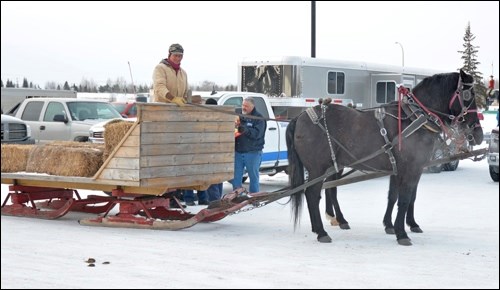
{"x": 241, "y": 129}
{"x": 179, "y": 101}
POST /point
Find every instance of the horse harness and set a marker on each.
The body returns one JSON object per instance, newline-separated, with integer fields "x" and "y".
{"x": 416, "y": 112}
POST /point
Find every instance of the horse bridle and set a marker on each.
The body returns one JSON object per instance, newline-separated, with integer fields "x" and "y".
{"x": 461, "y": 95}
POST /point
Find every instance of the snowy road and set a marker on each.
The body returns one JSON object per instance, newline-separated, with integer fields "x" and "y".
{"x": 458, "y": 211}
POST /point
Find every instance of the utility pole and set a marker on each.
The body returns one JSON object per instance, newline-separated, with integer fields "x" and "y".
{"x": 313, "y": 29}
{"x": 130, "y": 69}
{"x": 402, "y": 54}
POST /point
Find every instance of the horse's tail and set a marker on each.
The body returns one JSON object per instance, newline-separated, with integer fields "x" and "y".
{"x": 295, "y": 171}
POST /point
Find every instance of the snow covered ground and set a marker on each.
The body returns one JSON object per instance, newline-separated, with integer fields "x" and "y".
{"x": 458, "y": 211}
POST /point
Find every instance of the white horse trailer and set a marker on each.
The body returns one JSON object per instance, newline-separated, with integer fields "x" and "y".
{"x": 363, "y": 84}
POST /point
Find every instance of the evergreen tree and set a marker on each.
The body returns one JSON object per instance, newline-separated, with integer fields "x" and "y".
{"x": 25, "y": 83}
{"x": 469, "y": 56}
{"x": 66, "y": 86}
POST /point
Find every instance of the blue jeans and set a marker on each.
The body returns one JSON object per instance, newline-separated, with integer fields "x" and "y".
{"x": 251, "y": 161}
{"x": 214, "y": 192}
{"x": 189, "y": 195}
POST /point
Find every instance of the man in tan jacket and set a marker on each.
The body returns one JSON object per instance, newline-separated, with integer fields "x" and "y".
{"x": 170, "y": 84}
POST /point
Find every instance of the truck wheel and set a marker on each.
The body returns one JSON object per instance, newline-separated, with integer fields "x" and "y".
{"x": 494, "y": 173}
{"x": 438, "y": 154}
{"x": 82, "y": 139}
{"x": 435, "y": 169}
{"x": 451, "y": 166}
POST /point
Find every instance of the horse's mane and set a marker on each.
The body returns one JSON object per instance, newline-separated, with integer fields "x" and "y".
{"x": 437, "y": 85}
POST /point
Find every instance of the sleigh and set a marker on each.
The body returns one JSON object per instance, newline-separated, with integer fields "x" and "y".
{"x": 167, "y": 148}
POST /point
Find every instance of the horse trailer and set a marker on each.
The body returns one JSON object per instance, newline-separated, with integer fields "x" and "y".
{"x": 363, "y": 85}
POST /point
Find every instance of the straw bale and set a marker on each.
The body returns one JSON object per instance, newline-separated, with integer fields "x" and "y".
{"x": 83, "y": 159}
{"x": 76, "y": 144}
{"x": 15, "y": 157}
{"x": 114, "y": 132}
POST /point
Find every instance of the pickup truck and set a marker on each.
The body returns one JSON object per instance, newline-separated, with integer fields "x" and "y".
{"x": 66, "y": 119}
{"x": 274, "y": 154}
{"x": 15, "y": 131}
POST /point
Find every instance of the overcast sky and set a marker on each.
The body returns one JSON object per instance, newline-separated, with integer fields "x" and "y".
{"x": 68, "y": 41}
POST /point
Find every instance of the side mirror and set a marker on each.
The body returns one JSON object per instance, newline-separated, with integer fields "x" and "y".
{"x": 60, "y": 118}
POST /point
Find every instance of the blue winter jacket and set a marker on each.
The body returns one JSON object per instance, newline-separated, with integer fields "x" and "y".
{"x": 252, "y": 134}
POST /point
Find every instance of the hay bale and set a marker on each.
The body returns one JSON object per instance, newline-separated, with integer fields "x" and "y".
{"x": 75, "y": 144}
{"x": 15, "y": 157}
{"x": 114, "y": 132}
{"x": 57, "y": 158}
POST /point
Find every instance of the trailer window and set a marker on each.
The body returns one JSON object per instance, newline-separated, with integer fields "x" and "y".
{"x": 386, "y": 92}
{"x": 336, "y": 82}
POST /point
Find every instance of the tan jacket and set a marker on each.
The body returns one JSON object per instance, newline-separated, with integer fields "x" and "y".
{"x": 166, "y": 80}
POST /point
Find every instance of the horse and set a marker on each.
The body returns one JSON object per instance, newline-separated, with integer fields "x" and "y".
{"x": 396, "y": 138}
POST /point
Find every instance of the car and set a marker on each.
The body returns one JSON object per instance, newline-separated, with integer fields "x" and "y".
{"x": 492, "y": 155}
{"x": 15, "y": 131}
{"x": 126, "y": 109}
{"x": 96, "y": 131}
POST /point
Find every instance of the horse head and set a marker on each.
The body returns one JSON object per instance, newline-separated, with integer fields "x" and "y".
{"x": 464, "y": 109}
{"x": 451, "y": 98}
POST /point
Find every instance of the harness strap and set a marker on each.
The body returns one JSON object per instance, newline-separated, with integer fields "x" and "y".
{"x": 380, "y": 115}
{"x": 314, "y": 117}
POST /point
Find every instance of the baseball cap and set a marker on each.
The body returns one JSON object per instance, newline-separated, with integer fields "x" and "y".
{"x": 176, "y": 49}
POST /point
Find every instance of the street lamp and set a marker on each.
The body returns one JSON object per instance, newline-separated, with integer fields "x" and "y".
{"x": 402, "y": 54}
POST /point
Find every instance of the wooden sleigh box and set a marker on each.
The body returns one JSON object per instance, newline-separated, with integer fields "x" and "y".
{"x": 168, "y": 147}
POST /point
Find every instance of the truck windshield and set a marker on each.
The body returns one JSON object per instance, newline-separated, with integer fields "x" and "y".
{"x": 92, "y": 110}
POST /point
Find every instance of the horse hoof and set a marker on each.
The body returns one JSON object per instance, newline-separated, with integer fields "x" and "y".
{"x": 416, "y": 230}
{"x": 390, "y": 231}
{"x": 325, "y": 239}
{"x": 332, "y": 219}
{"x": 405, "y": 242}
{"x": 345, "y": 226}
{"x": 334, "y": 222}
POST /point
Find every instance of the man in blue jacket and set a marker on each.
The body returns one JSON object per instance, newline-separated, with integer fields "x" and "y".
{"x": 248, "y": 146}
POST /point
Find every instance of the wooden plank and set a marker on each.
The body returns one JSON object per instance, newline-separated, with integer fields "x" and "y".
{"x": 124, "y": 163}
{"x": 171, "y": 160}
{"x": 120, "y": 174}
{"x": 186, "y": 114}
{"x": 175, "y": 149}
{"x": 35, "y": 179}
{"x": 187, "y": 181}
{"x": 132, "y": 141}
{"x": 127, "y": 152}
{"x": 182, "y": 138}
{"x": 189, "y": 126}
{"x": 186, "y": 170}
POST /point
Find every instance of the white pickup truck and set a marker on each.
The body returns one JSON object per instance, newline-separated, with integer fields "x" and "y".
{"x": 274, "y": 154}
{"x": 67, "y": 119}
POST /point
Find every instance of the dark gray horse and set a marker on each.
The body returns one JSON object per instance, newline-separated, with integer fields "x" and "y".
{"x": 395, "y": 139}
